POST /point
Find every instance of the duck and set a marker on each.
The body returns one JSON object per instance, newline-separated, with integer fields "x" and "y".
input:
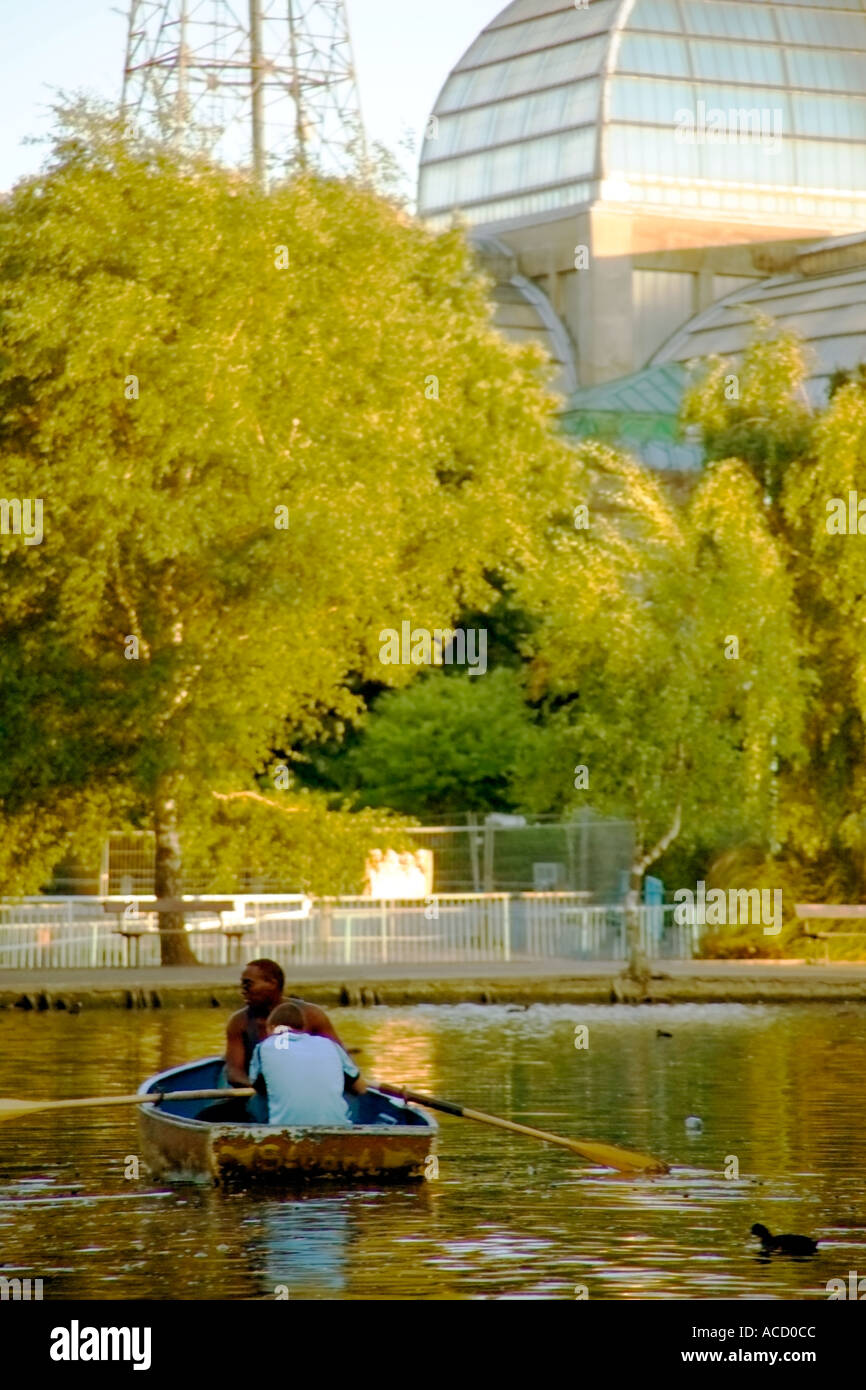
{"x": 785, "y": 1245}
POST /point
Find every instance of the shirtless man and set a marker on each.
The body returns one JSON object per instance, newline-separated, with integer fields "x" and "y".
{"x": 262, "y": 988}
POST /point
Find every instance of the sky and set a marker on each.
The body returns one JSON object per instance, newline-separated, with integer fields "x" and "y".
{"x": 404, "y": 50}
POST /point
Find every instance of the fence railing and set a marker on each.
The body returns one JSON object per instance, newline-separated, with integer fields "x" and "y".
{"x": 563, "y": 925}
{"x": 76, "y": 933}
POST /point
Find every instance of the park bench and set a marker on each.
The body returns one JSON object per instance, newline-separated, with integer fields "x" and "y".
{"x": 232, "y": 925}
{"x": 811, "y": 912}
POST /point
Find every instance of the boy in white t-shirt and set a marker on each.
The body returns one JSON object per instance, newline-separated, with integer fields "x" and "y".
{"x": 305, "y": 1076}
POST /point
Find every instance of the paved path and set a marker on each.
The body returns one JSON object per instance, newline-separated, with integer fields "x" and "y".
{"x": 202, "y": 976}
{"x": 520, "y": 981}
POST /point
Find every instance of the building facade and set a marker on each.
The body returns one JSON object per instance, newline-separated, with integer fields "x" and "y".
{"x": 630, "y": 170}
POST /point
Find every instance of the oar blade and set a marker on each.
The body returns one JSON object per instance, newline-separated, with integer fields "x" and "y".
{"x": 607, "y": 1155}
{"x": 611, "y": 1156}
{"x": 11, "y": 1109}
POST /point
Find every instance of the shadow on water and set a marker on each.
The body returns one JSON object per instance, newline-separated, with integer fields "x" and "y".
{"x": 780, "y": 1141}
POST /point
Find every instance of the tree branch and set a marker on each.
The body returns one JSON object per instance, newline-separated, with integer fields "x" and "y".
{"x": 129, "y": 608}
{"x": 661, "y": 845}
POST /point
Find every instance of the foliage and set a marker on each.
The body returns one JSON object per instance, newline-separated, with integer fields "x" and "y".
{"x": 842, "y": 376}
{"x": 304, "y": 840}
{"x": 167, "y": 387}
{"x": 753, "y": 867}
{"x": 820, "y": 827}
{"x": 444, "y": 746}
{"x": 633, "y": 657}
{"x": 175, "y": 387}
{"x": 757, "y": 412}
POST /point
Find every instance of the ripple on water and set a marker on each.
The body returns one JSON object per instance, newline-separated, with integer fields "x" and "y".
{"x": 507, "y": 1218}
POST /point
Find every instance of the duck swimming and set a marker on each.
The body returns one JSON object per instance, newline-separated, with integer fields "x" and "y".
{"x": 785, "y": 1245}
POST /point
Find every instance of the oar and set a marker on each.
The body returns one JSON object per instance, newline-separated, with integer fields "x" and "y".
{"x": 10, "y": 1108}
{"x": 608, "y": 1155}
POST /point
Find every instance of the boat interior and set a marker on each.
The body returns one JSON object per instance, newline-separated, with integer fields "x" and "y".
{"x": 371, "y": 1108}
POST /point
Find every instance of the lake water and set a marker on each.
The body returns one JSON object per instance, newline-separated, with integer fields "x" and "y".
{"x": 778, "y": 1089}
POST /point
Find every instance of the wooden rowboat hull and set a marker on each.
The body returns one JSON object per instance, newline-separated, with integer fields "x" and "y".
{"x": 214, "y": 1142}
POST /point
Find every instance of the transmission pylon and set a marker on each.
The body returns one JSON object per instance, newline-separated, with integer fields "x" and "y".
{"x": 269, "y": 83}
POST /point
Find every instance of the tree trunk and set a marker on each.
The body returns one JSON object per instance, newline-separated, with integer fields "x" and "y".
{"x": 173, "y": 943}
{"x": 638, "y": 965}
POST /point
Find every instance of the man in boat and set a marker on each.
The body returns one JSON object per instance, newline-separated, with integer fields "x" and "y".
{"x": 305, "y": 1075}
{"x": 262, "y": 984}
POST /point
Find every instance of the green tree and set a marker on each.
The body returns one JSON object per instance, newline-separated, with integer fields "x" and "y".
{"x": 303, "y": 838}
{"x": 666, "y": 656}
{"x": 757, "y": 411}
{"x": 264, "y": 427}
{"x": 444, "y": 745}
{"x": 821, "y": 825}
{"x": 824, "y": 818}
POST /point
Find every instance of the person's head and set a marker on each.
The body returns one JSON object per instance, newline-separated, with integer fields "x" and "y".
{"x": 262, "y": 984}
{"x": 285, "y": 1016}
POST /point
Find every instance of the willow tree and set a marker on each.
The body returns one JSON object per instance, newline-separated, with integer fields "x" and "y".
{"x": 666, "y": 655}
{"x": 264, "y": 427}
{"x": 810, "y": 464}
{"x": 825, "y": 508}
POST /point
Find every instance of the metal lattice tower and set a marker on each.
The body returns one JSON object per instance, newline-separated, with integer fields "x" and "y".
{"x": 266, "y": 82}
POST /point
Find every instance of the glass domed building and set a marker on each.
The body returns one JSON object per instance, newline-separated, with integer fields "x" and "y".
{"x": 641, "y": 159}
{"x": 555, "y": 106}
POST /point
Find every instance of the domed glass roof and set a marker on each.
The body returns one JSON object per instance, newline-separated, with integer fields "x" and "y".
{"x": 752, "y": 109}
{"x": 828, "y": 313}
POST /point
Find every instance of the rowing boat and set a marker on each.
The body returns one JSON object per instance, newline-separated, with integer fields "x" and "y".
{"x": 214, "y": 1141}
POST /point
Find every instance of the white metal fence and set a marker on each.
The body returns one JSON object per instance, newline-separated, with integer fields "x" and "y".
{"x": 76, "y": 933}
{"x": 564, "y": 925}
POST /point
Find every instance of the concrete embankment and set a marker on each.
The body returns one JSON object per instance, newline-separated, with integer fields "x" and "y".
{"x": 515, "y": 982}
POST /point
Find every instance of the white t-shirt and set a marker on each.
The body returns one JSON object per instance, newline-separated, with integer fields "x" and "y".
{"x": 305, "y": 1077}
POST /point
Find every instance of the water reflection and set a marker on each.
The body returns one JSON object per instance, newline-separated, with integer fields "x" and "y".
{"x": 507, "y": 1218}
{"x": 306, "y": 1245}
